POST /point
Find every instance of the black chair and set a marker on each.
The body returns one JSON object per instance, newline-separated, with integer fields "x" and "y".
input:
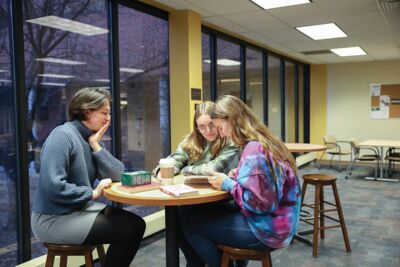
{"x": 392, "y": 156}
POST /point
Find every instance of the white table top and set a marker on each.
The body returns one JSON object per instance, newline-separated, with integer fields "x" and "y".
{"x": 380, "y": 143}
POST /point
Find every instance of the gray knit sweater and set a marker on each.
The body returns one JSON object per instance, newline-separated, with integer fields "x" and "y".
{"x": 68, "y": 168}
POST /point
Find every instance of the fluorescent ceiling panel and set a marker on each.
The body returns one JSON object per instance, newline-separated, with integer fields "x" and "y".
{"x": 269, "y": 4}
{"x": 50, "y": 75}
{"x": 349, "y": 51}
{"x": 322, "y": 31}
{"x": 68, "y": 25}
{"x": 4, "y": 81}
{"x": 224, "y": 62}
{"x": 131, "y": 70}
{"x": 60, "y": 61}
{"x": 3, "y": 71}
{"x": 53, "y": 84}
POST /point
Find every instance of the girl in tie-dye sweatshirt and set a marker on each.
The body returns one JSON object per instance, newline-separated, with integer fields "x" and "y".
{"x": 264, "y": 187}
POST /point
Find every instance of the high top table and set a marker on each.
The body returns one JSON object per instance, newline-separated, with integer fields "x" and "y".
{"x": 157, "y": 198}
{"x": 381, "y": 144}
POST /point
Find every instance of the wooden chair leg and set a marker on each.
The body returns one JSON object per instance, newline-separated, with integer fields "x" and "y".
{"x": 101, "y": 254}
{"x": 88, "y": 259}
{"x": 316, "y": 212}
{"x": 50, "y": 259}
{"x": 63, "y": 260}
{"x": 341, "y": 218}
{"x": 321, "y": 213}
{"x": 267, "y": 262}
{"x": 225, "y": 260}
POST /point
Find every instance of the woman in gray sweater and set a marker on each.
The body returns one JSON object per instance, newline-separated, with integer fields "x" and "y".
{"x": 64, "y": 209}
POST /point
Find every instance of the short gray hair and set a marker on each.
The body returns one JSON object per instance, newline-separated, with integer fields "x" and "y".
{"x": 87, "y": 99}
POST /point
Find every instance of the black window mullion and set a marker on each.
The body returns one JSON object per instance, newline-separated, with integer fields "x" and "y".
{"x": 306, "y": 105}
{"x": 21, "y": 140}
{"x": 114, "y": 78}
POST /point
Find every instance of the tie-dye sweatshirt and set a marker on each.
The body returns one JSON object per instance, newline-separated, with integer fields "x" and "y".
{"x": 271, "y": 208}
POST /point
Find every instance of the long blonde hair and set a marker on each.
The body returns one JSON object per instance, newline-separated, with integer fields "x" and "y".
{"x": 247, "y": 127}
{"x": 194, "y": 142}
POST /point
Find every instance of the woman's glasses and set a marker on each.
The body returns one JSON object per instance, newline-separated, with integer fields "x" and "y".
{"x": 203, "y": 128}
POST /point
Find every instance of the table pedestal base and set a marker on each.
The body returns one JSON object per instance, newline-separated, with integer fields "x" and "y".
{"x": 382, "y": 179}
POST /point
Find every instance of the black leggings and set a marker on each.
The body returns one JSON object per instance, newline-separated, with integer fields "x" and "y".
{"x": 121, "y": 229}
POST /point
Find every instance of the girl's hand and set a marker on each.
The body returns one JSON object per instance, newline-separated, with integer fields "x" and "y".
{"x": 216, "y": 179}
{"x": 98, "y": 192}
{"x": 232, "y": 173}
{"x": 95, "y": 138}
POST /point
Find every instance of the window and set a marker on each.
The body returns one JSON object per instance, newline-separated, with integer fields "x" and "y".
{"x": 206, "y": 62}
{"x": 228, "y": 68}
{"x": 290, "y": 107}
{"x": 8, "y": 207}
{"x": 144, "y": 74}
{"x": 254, "y": 82}
{"x": 274, "y": 95}
{"x": 60, "y": 60}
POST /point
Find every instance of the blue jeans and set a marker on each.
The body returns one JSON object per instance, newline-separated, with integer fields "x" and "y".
{"x": 217, "y": 223}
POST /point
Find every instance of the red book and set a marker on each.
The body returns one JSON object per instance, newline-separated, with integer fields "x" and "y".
{"x": 179, "y": 190}
{"x": 139, "y": 188}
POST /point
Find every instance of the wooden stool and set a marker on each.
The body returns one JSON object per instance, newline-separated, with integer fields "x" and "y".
{"x": 64, "y": 251}
{"x": 319, "y": 181}
{"x": 244, "y": 254}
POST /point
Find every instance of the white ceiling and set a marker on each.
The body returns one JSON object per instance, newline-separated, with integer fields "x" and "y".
{"x": 374, "y": 25}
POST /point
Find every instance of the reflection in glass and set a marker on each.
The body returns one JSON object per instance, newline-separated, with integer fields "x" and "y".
{"x": 290, "y": 108}
{"x": 8, "y": 208}
{"x": 274, "y": 95}
{"x": 59, "y": 60}
{"x": 206, "y": 59}
{"x": 143, "y": 41}
{"x": 228, "y": 68}
{"x": 254, "y": 82}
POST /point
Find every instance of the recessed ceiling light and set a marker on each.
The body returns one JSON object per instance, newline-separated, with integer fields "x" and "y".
{"x": 349, "y": 51}
{"x": 227, "y": 62}
{"x": 269, "y": 4}
{"x": 224, "y": 62}
{"x": 233, "y": 80}
{"x": 322, "y": 31}
{"x": 4, "y": 81}
{"x": 68, "y": 25}
{"x": 53, "y": 84}
{"x": 131, "y": 70}
{"x": 3, "y": 71}
{"x": 50, "y": 75}
{"x": 60, "y": 61}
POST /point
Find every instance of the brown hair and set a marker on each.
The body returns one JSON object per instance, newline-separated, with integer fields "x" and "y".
{"x": 247, "y": 127}
{"x": 87, "y": 99}
{"x": 194, "y": 142}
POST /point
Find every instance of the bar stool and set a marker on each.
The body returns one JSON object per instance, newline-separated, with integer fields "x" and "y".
{"x": 319, "y": 181}
{"x": 244, "y": 254}
{"x": 64, "y": 251}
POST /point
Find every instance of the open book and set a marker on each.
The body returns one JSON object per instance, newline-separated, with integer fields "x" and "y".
{"x": 196, "y": 179}
{"x": 179, "y": 190}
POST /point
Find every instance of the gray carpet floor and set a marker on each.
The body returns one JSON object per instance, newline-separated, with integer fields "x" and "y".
{"x": 372, "y": 215}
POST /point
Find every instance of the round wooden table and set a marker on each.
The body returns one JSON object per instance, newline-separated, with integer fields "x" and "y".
{"x": 157, "y": 198}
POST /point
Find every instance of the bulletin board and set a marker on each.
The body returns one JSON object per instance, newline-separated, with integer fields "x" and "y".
{"x": 385, "y": 101}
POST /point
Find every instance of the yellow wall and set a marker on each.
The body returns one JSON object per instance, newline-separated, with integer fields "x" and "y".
{"x": 185, "y": 70}
{"x": 318, "y": 103}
